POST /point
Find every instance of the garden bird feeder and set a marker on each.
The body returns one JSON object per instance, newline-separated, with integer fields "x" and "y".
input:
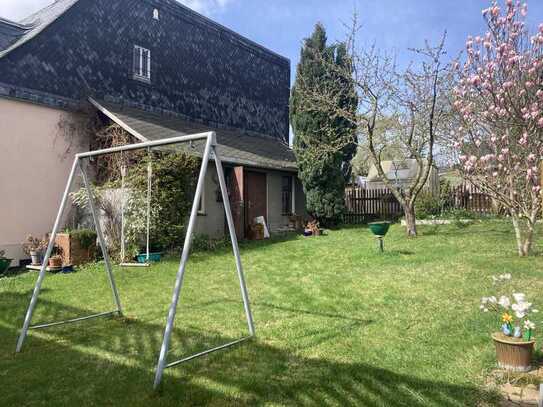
{"x": 380, "y": 229}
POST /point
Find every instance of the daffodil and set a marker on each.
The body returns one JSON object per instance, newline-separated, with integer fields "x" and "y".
{"x": 507, "y": 318}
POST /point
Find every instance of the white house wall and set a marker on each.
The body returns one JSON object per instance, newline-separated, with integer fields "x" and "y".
{"x": 34, "y": 167}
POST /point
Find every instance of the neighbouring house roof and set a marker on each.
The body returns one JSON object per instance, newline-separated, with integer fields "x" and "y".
{"x": 401, "y": 170}
{"x": 34, "y": 24}
{"x": 234, "y": 146}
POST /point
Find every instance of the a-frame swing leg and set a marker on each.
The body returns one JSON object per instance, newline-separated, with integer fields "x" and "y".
{"x": 162, "y": 364}
{"x": 101, "y": 240}
{"x": 235, "y": 246}
{"x": 37, "y": 288}
{"x": 41, "y": 276}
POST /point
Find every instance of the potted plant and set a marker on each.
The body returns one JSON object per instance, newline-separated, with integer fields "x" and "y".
{"x": 34, "y": 247}
{"x": 55, "y": 261}
{"x": 4, "y": 262}
{"x": 515, "y": 341}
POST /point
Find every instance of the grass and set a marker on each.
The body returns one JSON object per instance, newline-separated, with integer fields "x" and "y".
{"x": 338, "y": 324}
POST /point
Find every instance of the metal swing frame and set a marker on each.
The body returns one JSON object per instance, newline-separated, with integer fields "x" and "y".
{"x": 210, "y": 152}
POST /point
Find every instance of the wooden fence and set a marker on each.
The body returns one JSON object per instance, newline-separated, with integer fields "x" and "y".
{"x": 471, "y": 199}
{"x": 364, "y": 205}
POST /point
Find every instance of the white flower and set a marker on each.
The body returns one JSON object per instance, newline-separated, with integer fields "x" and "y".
{"x": 501, "y": 277}
{"x": 519, "y": 297}
{"x": 521, "y": 308}
{"x": 492, "y": 300}
{"x": 529, "y": 325}
{"x": 504, "y": 302}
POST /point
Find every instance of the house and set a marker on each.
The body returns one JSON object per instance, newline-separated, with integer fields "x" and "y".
{"x": 157, "y": 69}
{"x": 401, "y": 173}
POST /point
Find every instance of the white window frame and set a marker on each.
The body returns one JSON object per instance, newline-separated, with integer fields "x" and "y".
{"x": 138, "y": 65}
{"x": 202, "y": 204}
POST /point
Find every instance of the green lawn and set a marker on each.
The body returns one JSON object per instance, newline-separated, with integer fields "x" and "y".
{"x": 337, "y": 324}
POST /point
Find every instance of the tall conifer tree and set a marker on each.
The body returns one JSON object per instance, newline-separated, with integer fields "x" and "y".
{"x": 323, "y": 169}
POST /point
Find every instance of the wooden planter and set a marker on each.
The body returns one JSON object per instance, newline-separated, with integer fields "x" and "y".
{"x": 513, "y": 354}
{"x": 72, "y": 252}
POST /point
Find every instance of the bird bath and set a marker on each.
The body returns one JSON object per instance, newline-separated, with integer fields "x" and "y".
{"x": 380, "y": 229}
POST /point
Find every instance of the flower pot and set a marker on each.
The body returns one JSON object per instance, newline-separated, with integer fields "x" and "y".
{"x": 36, "y": 258}
{"x": 4, "y": 265}
{"x": 153, "y": 257}
{"x": 55, "y": 262}
{"x": 513, "y": 354}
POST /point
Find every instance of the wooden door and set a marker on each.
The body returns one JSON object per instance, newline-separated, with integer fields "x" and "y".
{"x": 236, "y": 192}
{"x": 256, "y": 197}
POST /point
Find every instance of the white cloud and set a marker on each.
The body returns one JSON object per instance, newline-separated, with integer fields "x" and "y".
{"x": 207, "y": 7}
{"x": 18, "y": 9}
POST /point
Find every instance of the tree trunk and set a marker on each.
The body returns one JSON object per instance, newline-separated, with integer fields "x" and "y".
{"x": 410, "y": 219}
{"x": 524, "y": 238}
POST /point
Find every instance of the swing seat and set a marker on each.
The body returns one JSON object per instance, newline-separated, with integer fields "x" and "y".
{"x": 134, "y": 265}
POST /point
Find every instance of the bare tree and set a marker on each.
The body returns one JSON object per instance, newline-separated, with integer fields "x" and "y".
{"x": 417, "y": 98}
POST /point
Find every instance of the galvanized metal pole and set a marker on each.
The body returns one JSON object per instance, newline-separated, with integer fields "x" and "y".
{"x": 235, "y": 246}
{"x": 182, "y": 266}
{"x": 37, "y": 287}
{"x": 101, "y": 240}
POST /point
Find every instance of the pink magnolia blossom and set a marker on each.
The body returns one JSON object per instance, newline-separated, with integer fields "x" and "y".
{"x": 499, "y": 103}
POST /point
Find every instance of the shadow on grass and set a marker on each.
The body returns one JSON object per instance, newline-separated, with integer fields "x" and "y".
{"x": 111, "y": 362}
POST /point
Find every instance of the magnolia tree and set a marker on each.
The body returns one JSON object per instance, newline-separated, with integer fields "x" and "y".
{"x": 499, "y": 102}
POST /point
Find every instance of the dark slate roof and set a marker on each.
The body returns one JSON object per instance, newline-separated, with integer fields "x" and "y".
{"x": 37, "y": 22}
{"x": 199, "y": 68}
{"x": 233, "y": 146}
{"x": 10, "y": 32}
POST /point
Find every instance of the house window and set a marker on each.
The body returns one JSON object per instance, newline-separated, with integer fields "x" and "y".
{"x": 142, "y": 63}
{"x": 287, "y": 196}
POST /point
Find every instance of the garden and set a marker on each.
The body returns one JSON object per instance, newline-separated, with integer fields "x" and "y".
{"x": 337, "y": 322}
{"x": 438, "y": 308}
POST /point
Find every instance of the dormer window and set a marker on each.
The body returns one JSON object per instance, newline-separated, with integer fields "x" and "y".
{"x": 142, "y": 64}
{"x": 156, "y": 14}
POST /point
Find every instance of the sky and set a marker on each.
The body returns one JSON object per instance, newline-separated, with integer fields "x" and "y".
{"x": 281, "y": 25}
